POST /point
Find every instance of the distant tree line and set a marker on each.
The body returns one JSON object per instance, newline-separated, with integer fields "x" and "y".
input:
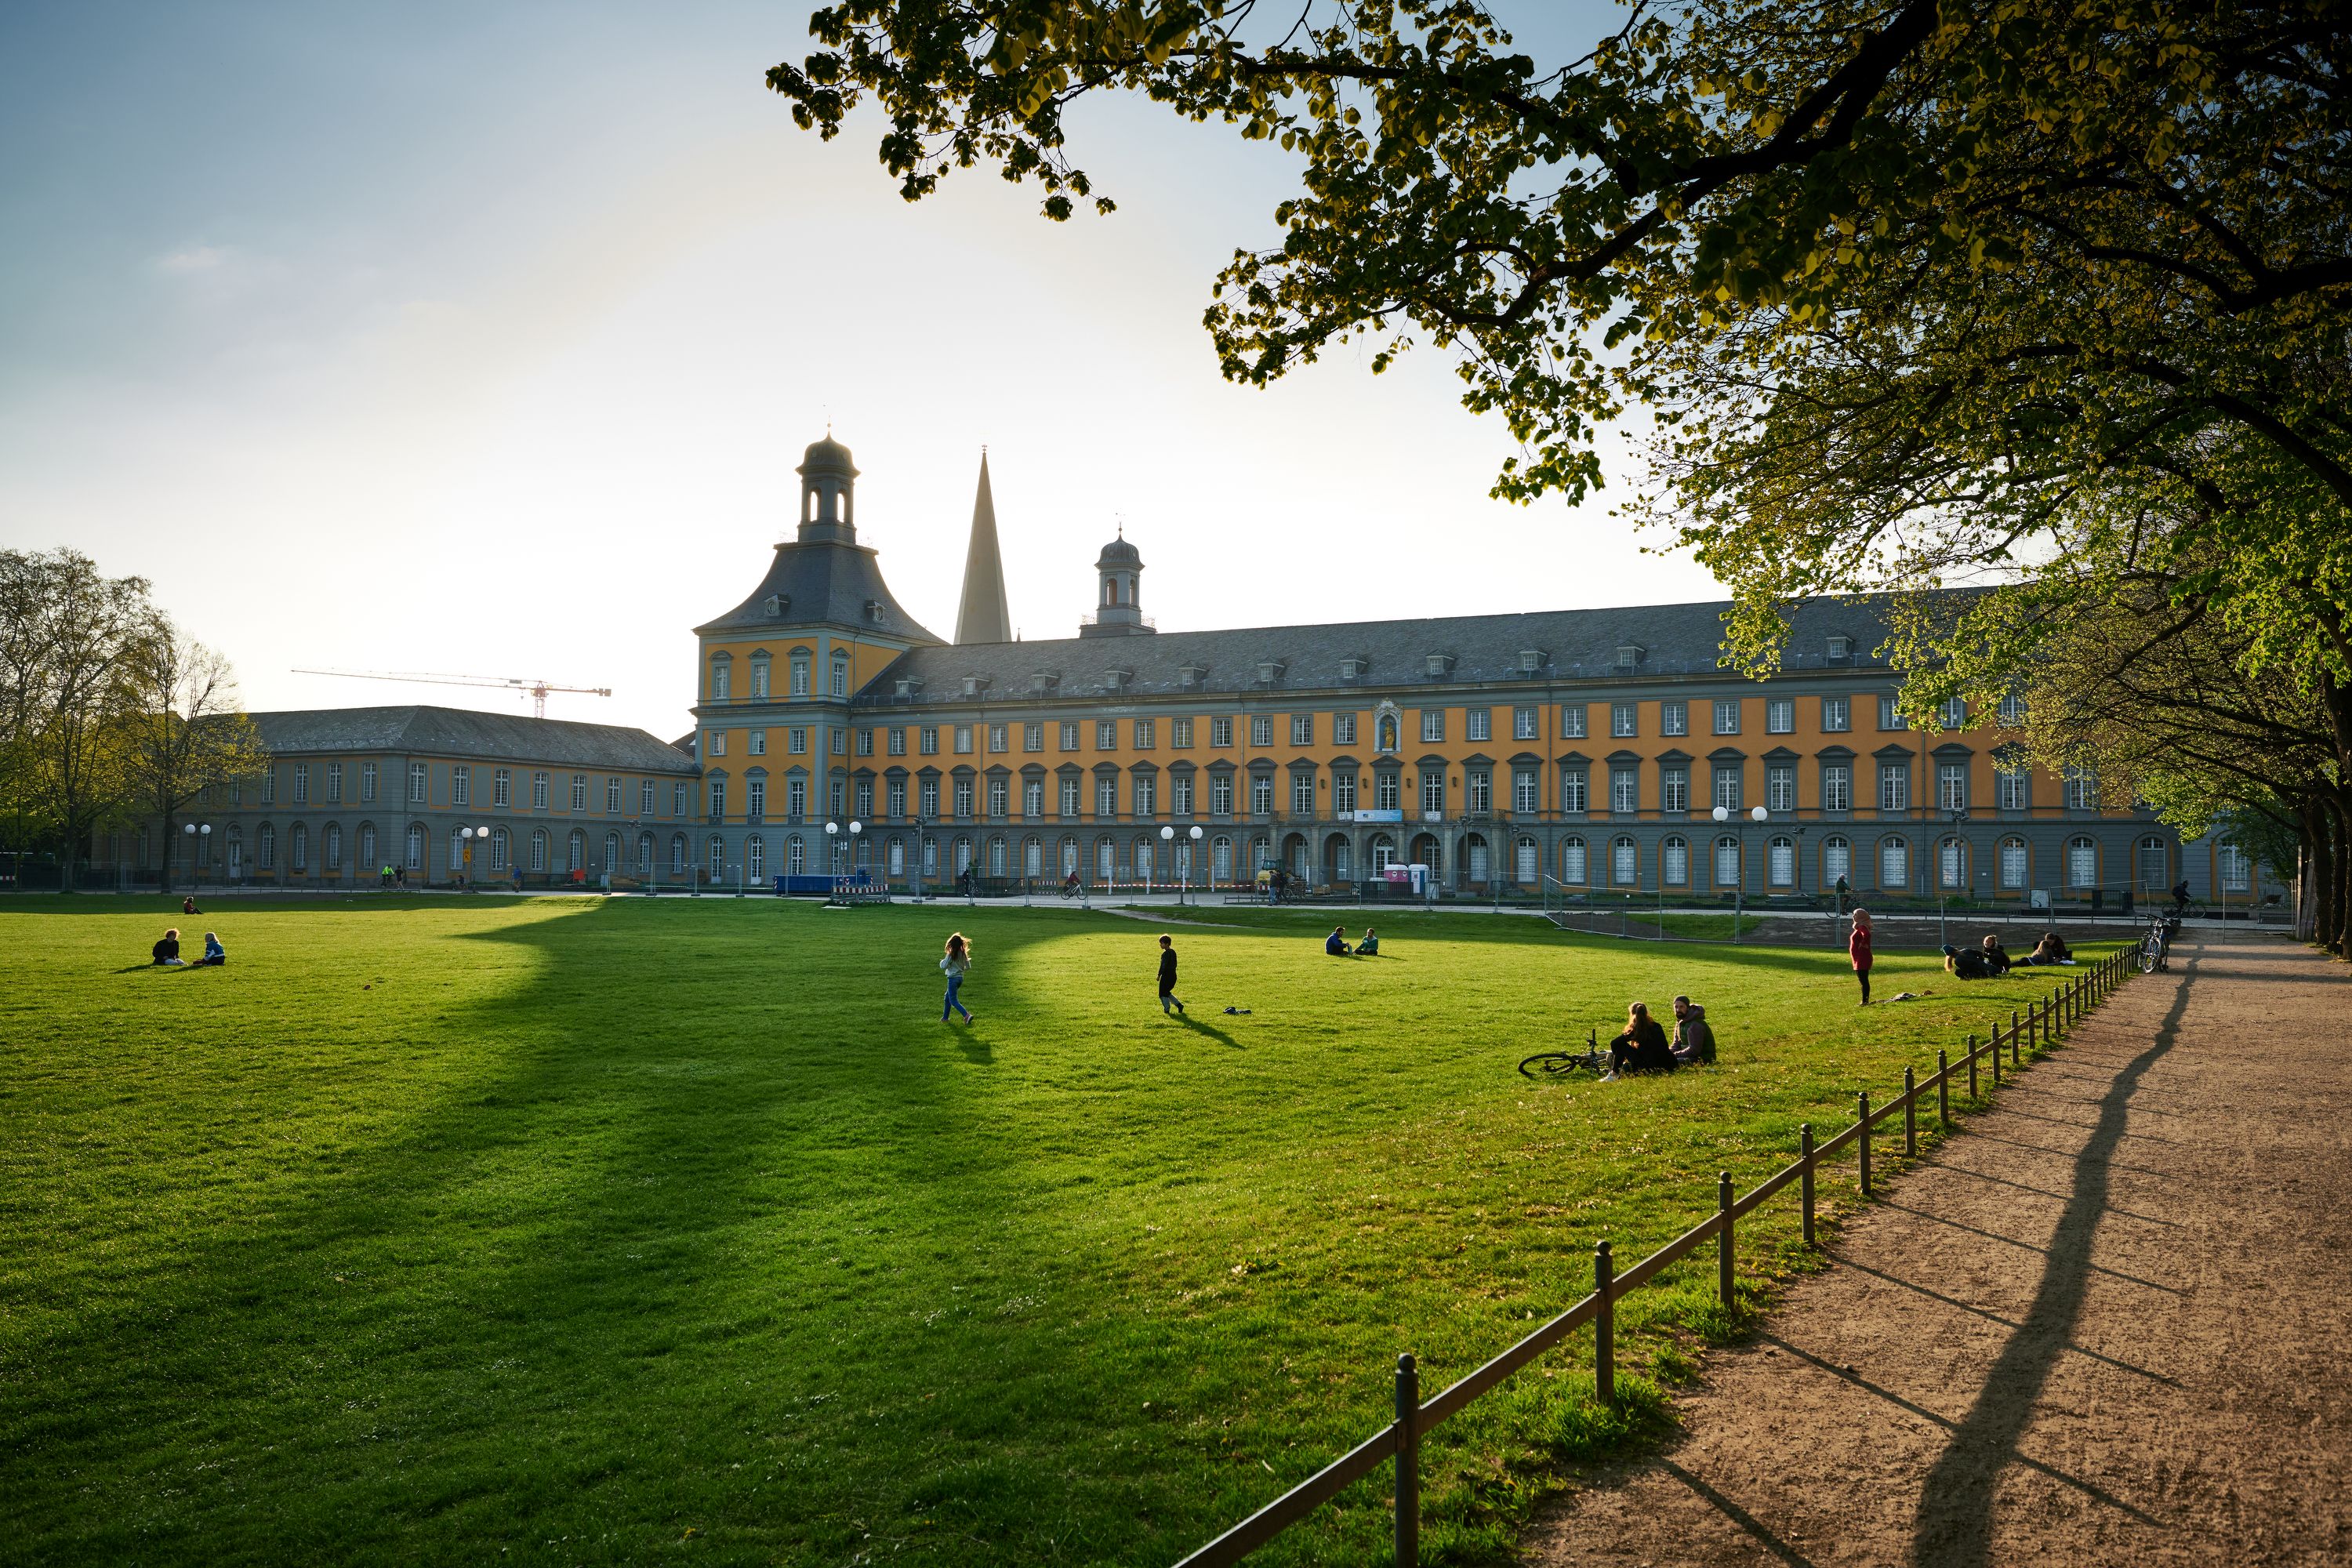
{"x": 109, "y": 714}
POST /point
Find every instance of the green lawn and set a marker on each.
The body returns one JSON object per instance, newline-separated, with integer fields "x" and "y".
{"x": 573, "y": 1231}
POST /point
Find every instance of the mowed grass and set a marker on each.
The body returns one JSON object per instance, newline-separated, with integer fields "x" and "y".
{"x": 579, "y": 1231}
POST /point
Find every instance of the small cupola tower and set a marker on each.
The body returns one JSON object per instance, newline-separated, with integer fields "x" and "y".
{"x": 828, "y": 480}
{"x": 1119, "y": 572}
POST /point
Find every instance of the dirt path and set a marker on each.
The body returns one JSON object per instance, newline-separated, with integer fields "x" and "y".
{"x": 2107, "y": 1325}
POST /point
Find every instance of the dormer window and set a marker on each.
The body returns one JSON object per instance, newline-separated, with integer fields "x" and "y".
{"x": 1190, "y": 675}
{"x": 907, "y": 687}
{"x": 1531, "y": 660}
{"x": 774, "y": 605}
{"x": 1116, "y": 680}
{"x": 1438, "y": 665}
{"x": 1269, "y": 671}
{"x": 1354, "y": 668}
{"x": 873, "y": 609}
{"x": 1841, "y": 647}
{"x": 1045, "y": 681}
{"x": 1628, "y": 654}
{"x": 973, "y": 685}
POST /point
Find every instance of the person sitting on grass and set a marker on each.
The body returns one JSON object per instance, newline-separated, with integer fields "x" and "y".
{"x": 1336, "y": 944}
{"x": 1694, "y": 1039}
{"x": 167, "y": 950}
{"x": 1965, "y": 962}
{"x": 214, "y": 953}
{"x": 1369, "y": 947}
{"x": 188, "y": 906}
{"x": 2051, "y": 949}
{"x": 1995, "y": 955}
{"x": 1641, "y": 1047}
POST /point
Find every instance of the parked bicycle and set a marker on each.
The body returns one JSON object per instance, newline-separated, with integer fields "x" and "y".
{"x": 1548, "y": 1065}
{"x": 2156, "y": 947}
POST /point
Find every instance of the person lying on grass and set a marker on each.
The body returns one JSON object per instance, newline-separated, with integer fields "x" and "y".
{"x": 1641, "y": 1048}
{"x": 1965, "y": 962}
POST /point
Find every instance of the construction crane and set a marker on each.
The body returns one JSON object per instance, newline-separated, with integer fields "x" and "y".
{"x": 537, "y": 688}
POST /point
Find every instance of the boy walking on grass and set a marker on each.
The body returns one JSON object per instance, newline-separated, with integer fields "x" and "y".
{"x": 1167, "y": 997}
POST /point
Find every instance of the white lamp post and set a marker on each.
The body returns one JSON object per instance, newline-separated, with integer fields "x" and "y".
{"x": 201, "y": 839}
{"x": 1168, "y": 838}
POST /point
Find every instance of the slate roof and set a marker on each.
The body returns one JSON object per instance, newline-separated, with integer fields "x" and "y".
{"x": 825, "y": 580}
{"x": 1677, "y": 639}
{"x": 466, "y": 733}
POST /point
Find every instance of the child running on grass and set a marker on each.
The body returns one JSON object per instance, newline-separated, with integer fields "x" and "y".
{"x": 958, "y": 960}
{"x": 1167, "y": 997}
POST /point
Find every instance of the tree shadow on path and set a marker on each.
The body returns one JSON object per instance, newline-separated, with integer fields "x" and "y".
{"x": 1953, "y": 1526}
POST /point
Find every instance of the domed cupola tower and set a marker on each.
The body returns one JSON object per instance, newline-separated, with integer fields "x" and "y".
{"x": 828, "y": 482}
{"x": 1118, "y": 575}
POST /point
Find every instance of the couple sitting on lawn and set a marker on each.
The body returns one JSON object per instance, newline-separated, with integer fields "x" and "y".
{"x": 1336, "y": 944}
{"x": 1643, "y": 1048}
{"x": 167, "y": 951}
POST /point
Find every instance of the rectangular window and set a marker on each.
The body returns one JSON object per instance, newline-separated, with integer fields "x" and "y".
{"x": 1144, "y": 795}
{"x": 1033, "y": 798}
{"x": 796, "y": 739}
{"x": 1781, "y": 716}
{"x": 1069, "y": 797}
{"x": 1107, "y": 795}
{"x": 1262, "y": 795}
{"x": 896, "y": 745}
{"x": 1343, "y": 792}
{"x": 796, "y": 797}
{"x": 1893, "y": 787}
{"x": 1727, "y": 715}
{"x": 964, "y": 797}
{"x": 2011, "y": 788}
{"x": 1478, "y": 724}
{"x": 999, "y": 792}
{"x": 1673, "y": 789}
{"x": 2012, "y": 712}
{"x": 1179, "y": 793}
{"x": 1571, "y": 721}
{"x": 1221, "y": 794}
{"x": 461, "y": 786}
{"x": 613, "y": 796}
{"x": 1106, "y": 734}
{"x": 1343, "y": 729}
{"x": 644, "y": 798}
{"x": 865, "y": 742}
{"x": 367, "y": 784}
{"x": 1728, "y": 782}
{"x": 1261, "y": 730}
{"x": 1954, "y": 714}
{"x": 1837, "y": 787}
{"x": 1674, "y": 718}
{"x": 269, "y": 785}
{"x": 964, "y": 740}
{"x": 1572, "y": 786}
{"x": 1387, "y": 791}
{"x": 1179, "y": 733}
{"x": 1302, "y": 729}
{"x": 1837, "y": 715}
{"x": 929, "y": 795}
{"x": 1069, "y": 737}
{"x": 1221, "y": 732}
{"x": 1147, "y": 734}
{"x": 1433, "y": 724}
{"x": 1478, "y": 784}
{"x": 1780, "y": 787}
{"x": 865, "y": 797}
{"x": 1523, "y": 792}
{"x": 1951, "y": 786}
{"x": 718, "y": 797}
{"x": 301, "y": 784}
{"x": 755, "y": 743}
{"x": 755, "y": 796}
{"x": 1620, "y": 720}
{"x": 1033, "y": 737}
{"x": 1890, "y": 717}
{"x": 1302, "y": 794}
{"x": 1433, "y": 793}
{"x": 800, "y": 675}
{"x": 578, "y": 792}
{"x": 896, "y": 797}
{"x": 335, "y": 783}
{"x": 2082, "y": 790}
{"x": 1623, "y": 791}
{"x": 416, "y": 783}
{"x": 717, "y": 746}
{"x": 926, "y": 741}
{"x": 1523, "y": 723}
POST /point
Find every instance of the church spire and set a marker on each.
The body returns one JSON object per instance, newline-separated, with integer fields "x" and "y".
{"x": 983, "y": 616}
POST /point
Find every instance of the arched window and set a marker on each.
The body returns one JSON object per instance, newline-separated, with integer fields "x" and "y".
{"x": 1726, "y": 861}
{"x": 1069, "y": 862}
{"x": 897, "y": 861}
{"x": 330, "y": 842}
{"x": 413, "y": 857}
{"x": 963, "y": 856}
{"x": 645, "y": 854}
{"x": 575, "y": 849}
{"x": 678, "y": 854}
{"x": 497, "y": 849}
{"x": 613, "y": 853}
{"x": 2237, "y": 869}
{"x": 300, "y": 842}
{"x": 1952, "y": 864}
{"x": 722, "y": 674}
{"x": 755, "y": 859}
{"x": 1573, "y": 868}
{"x": 1343, "y": 862}
{"x": 1105, "y": 859}
{"x": 1033, "y": 859}
{"x": 2082, "y": 862}
{"x": 1477, "y": 857}
{"x": 1220, "y": 856}
{"x": 458, "y": 860}
{"x": 1781, "y": 861}
{"x": 2155, "y": 863}
{"x": 1528, "y": 858}
{"x": 1837, "y": 860}
{"x": 996, "y": 857}
{"x": 368, "y": 862}
{"x": 930, "y": 856}
{"x": 717, "y": 858}
{"x": 795, "y": 856}
{"x": 1893, "y": 865}
{"x": 2012, "y": 863}
{"x": 1674, "y": 860}
{"x": 1625, "y": 861}
{"x": 1143, "y": 862}
{"x": 539, "y": 850}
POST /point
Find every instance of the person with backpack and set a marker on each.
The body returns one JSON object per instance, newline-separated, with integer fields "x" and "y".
{"x": 1167, "y": 997}
{"x": 954, "y": 966}
{"x": 1857, "y": 950}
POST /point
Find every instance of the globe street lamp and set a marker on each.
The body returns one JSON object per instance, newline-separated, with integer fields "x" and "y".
{"x": 1168, "y": 838}
{"x": 192, "y": 830}
{"x": 465, "y": 837}
{"x": 1191, "y": 853}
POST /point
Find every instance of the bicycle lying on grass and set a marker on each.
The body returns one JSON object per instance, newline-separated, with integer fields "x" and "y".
{"x": 1547, "y": 1065}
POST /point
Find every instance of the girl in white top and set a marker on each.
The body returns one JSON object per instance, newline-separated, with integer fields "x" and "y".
{"x": 958, "y": 960}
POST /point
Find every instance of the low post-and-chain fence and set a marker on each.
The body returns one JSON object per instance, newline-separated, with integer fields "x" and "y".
{"x": 2043, "y": 1023}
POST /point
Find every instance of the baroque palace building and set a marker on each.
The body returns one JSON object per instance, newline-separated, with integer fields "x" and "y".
{"x": 1589, "y": 747}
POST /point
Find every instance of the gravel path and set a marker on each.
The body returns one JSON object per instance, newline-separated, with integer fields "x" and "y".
{"x": 2106, "y": 1325}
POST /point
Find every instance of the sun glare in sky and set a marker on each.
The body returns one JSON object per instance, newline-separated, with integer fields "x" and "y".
{"x": 487, "y": 340}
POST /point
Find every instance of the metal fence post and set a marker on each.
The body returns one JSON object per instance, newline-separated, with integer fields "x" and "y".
{"x": 1805, "y": 1175}
{"x": 1723, "y": 1239}
{"x": 1408, "y": 1462}
{"x": 1604, "y": 1326}
{"x": 1910, "y": 1116}
{"x": 1943, "y": 1087}
{"x": 1862, "y": 1111}
{"x": 1972, "y": 1061}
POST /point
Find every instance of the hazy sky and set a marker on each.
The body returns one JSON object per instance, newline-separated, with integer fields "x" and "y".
{"x": 486, "y": 340}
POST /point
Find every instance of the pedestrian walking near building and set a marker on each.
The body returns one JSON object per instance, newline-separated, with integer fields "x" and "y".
{"x": 1168, "y": 997}
{"x": 958, "y": 960}
{"x": 1857, "y": 948}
